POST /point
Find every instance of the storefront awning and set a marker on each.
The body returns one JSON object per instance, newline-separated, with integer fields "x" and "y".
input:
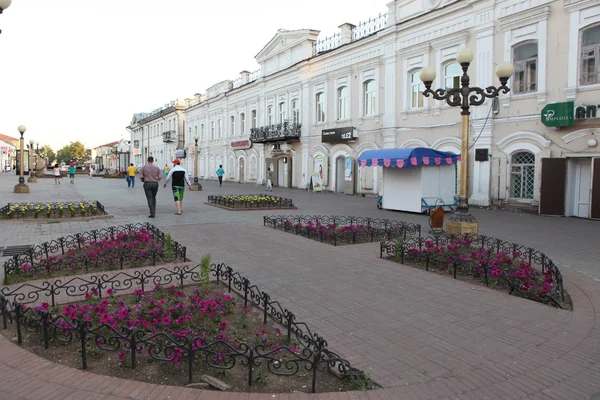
{"x": 405, "y": 158}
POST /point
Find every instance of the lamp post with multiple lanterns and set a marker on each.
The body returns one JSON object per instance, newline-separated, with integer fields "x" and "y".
{"x": 465, "y": 97}
{"x": 32, "y": 178}
{"x": 21, "y": 187}
{"x": 196, "y": 185}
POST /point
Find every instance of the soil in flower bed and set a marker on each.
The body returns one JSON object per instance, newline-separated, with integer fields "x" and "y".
{"x": 203, "y": 312}
{"x": 501, "y": 266}
{"x": 121, "y": 251}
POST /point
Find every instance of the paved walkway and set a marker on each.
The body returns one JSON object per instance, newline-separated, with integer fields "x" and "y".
{"x": 421, "y": 335}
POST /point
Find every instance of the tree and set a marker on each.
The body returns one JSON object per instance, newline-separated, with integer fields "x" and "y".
{"x": 72, "y": 151}
{"x": 47, "y": 153}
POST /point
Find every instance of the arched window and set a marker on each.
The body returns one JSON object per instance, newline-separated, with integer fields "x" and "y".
{"x": 343, "y": 103}
{"x": 590, "y": 55}
{"x": 522, "y": 175}
{"x": 212, "y": 130}
{"x": 296, "y": 111}
{"x": 232, "y": 125}
{"x": 525, "y": 57}
{"x": 320, "y": 100}
{"x": 417, "y": 89}
{"x": 282, "y": 115}
{"x": 242, "y": 123}
{"x": 253, "y": 118}
{"x": 452, "y": 73}
{"x": 270, "y": 115}
{"x": 219, "y": 128}
{"x": 370, "y": 90}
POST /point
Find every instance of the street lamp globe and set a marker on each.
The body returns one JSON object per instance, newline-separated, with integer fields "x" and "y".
{"x": 464, "y": 56}
{"x": 505, "y": 70}
{"x": 427, "y": 74}
{"x": 21, "y": 128}
{"x": 196, "y": 137}
{"x": 4, "y": 4}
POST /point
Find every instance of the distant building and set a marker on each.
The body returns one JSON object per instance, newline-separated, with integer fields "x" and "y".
{"x": 8, "y": 147}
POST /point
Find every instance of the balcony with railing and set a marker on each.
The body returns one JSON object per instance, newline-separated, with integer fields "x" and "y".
{"x": 362, "y": 30}
{"x": 169, "y": 136}
{"x": 284, "y": 131}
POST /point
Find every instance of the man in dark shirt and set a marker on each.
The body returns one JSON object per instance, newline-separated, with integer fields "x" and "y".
{"x": 180, "y": 177}
{"x": 150, "y": 175}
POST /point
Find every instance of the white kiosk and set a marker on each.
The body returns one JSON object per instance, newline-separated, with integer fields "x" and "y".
{"x": 415, "y": 180}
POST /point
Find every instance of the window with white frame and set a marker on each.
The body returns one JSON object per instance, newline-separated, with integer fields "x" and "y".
{"x": 202, "y": 131}
{"x": 232, "y": 125}
{"x": 370, "y": 90}
{"x": 416, "y": 90}
{"x": 590, "y": 55}
{"x": 522, "y": 175}
{"x": 270, "y": 115}
{"x": 253, "y": 118}
{"x": 525, "y": 59}
{"x": 242, "y": 123}
{"x": 296, "y": 111}
{"x": 212, "y": 129}
{"x": 219, "y": 128}
{"x": 452, "y": 73}
{"x": 320, "y": 103}
{"x": 282, "y": 115}
{"x": 343, "y": 103}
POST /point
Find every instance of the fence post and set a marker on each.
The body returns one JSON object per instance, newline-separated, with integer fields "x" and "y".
{"x": 18, "y": 320}
{"x": 83, "y": 340}
{"x": 3, "y": 303}
{"x": 315, "y": 365}
{"x": 290, "y": 318}
{"x": 246, "y": 284}
{"x": 485, "y": 271}
{"x": 229, "y": 273}
{"x": 44, "y": 319}
{"x": 266, "y": 299}
{"x": 427, "y": 256}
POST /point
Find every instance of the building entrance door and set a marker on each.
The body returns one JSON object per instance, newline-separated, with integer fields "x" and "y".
{"x": 339, "y": 175}
{"x": 242, "y": 178}
{"x": 583, "y": 177}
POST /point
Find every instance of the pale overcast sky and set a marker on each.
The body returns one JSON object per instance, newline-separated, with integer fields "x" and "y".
{"x": 79, "y": 69}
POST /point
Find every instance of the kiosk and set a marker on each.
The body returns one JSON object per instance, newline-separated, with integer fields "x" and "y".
{"x": 415, "y": 180}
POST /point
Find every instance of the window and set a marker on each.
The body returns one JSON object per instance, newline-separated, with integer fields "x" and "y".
{"x": 212, "y": 129}
{"x": 343, "y": 103}
{"x": 232, "y": 125}
{"x": 254, "y": 118}
{"x": 522, "y": 175}
{"x": 270, "y": 115}
{"x": 242, "y": 123}
{"x": 296, "y": 111}
{"x": 525, "y": 58}
{"x": 452, "y": 73}
{"x": 370, "y": 97}
{"x": 202, "y": 131}
{"x": 320, "y": 100}
{"x": 417, "y": 89}
{"x": 282, "y": 112}
{"x": 590, "y": 56}
{"x": 219, "y": 128}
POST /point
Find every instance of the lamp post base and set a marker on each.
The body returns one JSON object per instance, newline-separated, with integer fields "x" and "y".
{"x": 21, "y": 188}
{"x": 32, "y": 179}
{"x": 461, "y": 222}
{"x": 196, "y": 187}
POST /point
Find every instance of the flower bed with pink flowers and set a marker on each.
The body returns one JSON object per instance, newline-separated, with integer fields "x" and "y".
{"x": 505, "y": 266}
{"x": 108, "y": 249}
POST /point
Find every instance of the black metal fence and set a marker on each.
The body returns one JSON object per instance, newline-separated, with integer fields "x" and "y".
{"x": 482, "y": 257}
{"x": 313, "y": 356}
{"x": 253, "y": 201}
{"x": 339, "y": 230}
{"x": 60, "y": 255}
{"x": 52, "y": 210}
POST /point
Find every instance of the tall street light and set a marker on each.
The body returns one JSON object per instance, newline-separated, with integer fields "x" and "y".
{"x": 4, "y": 4}
{"x": 465, "y": 97}
{"x": 196, "y": 185}
{"x": 32, "y": 178}
{"x": 21, "y": 187}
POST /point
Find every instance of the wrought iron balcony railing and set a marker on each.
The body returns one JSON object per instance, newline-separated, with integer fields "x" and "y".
{"x": 284, "y": 131}
{"x": 169, "y": 136}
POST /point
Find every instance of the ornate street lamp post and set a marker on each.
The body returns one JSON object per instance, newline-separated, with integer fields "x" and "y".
{"x": 465, "y": 97}
{"x": 196, "y": 185}
{"x": 4, "y": 4}
{"x": 32, "y": 178}
{"x": 22, "y": 186}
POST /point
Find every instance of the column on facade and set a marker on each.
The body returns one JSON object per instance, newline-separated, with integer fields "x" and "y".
{"x": 389, "y": 115}
{"x": 305, "y": 132}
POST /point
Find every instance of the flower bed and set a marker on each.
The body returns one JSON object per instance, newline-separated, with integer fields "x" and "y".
{"x": 251, "y": 202}
{"x": 505, "y": 266}
{"x": 176, "y": 333}
{"x": 337, "y": 230}
{"x": 52, "y": 210}
{"x": 113, "y": 248}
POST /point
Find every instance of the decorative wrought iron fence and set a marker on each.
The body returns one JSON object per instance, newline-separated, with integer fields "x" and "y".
{"x": 252, "y": 201}
{"x": 491, "y": 260}
{"x": 339, "y": 230}
{"x": 326, "y": 44}
{"x": 62, "y": 254}
{"x": 369, "y": 27}
{"x": 52, "y": 210}
{"x": 314, "y": 355}
{"x": 287, "y": 130}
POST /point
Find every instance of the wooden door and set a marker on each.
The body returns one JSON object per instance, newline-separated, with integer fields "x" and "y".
{"x": 595, "y": 206}
{"x": 552, "y": 191}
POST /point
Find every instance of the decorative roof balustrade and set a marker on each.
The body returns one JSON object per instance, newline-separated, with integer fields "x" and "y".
{"x": 284, "y": 131}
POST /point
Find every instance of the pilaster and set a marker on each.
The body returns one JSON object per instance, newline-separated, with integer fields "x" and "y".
{"x": 481, "y": 132}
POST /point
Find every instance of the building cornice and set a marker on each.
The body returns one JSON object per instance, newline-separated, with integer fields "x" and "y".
{"x": 576, "y": 5}
{"x": 532, "y": 16}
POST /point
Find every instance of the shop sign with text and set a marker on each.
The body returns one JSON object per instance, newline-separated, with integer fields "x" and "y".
{"x": 241, "y": 144}
{"x": 337, "y": 135}
{"x": 556, "y": 115}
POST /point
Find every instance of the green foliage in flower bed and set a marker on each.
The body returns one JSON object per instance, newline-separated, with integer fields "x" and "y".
{"x": 52, "y": 210}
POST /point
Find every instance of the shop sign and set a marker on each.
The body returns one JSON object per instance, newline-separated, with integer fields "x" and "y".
{"x": 585, "y": 112}
{"x": 241, "y": 144}
{"x": 337, "y": 135}
{"x": 556, "y": 115}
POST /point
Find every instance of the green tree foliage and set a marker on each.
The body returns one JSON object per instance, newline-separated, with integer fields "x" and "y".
{"x": 46, "y": 152}
{"x": 72, "y": 151}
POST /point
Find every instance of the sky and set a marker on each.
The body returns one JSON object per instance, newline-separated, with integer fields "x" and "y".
{"x": 79, "y": 69}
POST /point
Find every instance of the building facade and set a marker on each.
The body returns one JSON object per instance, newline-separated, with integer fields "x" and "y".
{"x": 315, "y": 103}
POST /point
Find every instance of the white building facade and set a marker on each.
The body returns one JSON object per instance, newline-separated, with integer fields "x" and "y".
{"x": 314, "y": 103}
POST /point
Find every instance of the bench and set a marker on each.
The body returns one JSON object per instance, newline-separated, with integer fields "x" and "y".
{"x": 431, "y": 203}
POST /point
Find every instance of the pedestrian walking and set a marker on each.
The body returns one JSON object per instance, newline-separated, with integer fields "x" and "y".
{"x": 150, "y": 175}
{"x": 91, "y": 172}
{"x": 269, "y": 187}
{"x": 180, "y": 177}
{"x": 131, "y": 175}
{"x": 72, "y": 172}
{"x": 56, "y": 174}
{"x": 166, "y": 170}
{"x": 220, "y": 173}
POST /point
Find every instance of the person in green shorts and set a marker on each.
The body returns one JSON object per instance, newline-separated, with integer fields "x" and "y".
{"x": 180, "y": 177}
